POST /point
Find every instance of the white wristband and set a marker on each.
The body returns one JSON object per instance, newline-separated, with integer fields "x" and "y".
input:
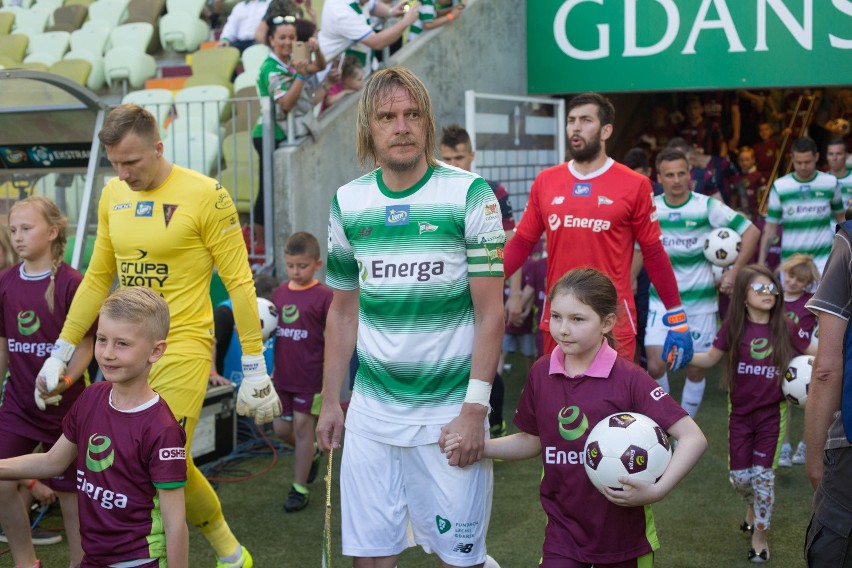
{"x": 478, "y": 392}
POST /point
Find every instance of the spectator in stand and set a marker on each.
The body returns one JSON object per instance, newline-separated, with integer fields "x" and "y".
{"x": 431, "y": 16}
{"x": 351, "y": 81}
{"x": 344, "y": 22}
{"x": 285, "y": 80}
{"x": 284, "y": 8}
{"x": 753, "y": 180}
{"x": 766, "y": 151}
{"x": 696, "y": 132}
{"x": 722, "y": 112}
{"x": 712, "y": 175}
{"x": 240, "y": 27}
{"x": 656, "y": 135}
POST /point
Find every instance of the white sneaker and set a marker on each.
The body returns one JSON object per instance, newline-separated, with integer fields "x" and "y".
{"x": 799, "y": 456}
{"x": 784, "y": 460}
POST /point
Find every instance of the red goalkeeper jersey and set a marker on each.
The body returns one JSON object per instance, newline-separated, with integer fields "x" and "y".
{"x": 594, "y": 221}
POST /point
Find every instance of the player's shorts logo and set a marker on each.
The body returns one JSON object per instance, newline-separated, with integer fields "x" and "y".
{"x": 582, "y": 189}
{"x": 397, "y": 215}
{"x": 568, "y": 416}
{"x": 98, "y": 445}
{"x": 443, "y": 524}
{"x": 144, "y": 208}
{"x": 28, "y": 322}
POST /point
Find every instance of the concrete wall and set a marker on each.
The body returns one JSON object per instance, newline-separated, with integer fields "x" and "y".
{"x": 484, "y": 50}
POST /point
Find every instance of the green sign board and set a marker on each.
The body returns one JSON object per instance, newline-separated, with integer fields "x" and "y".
{"x": 656, "y": 45}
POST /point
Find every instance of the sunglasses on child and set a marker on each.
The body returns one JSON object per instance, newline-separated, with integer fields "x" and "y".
{"x": 764, "y": 288}
{"x": 278, "y": 20}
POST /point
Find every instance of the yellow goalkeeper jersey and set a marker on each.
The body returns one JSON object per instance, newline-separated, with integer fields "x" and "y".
{"x": 169, "y": 239}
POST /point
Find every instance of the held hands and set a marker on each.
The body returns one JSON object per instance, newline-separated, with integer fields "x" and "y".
{"x": 49, "y": 382}
{"x": 257, "y": 397}
{"x": 677, "y": 349}
{"x": 469, "y": 427}
{"x": 450, "y": 443}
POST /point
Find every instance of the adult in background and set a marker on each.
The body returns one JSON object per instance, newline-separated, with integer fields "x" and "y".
{"x": 242, "y": 23}
{"x": 828, "y": 415}
{"x": 593, "y": 209}
{"x": 415, "y": 262}
{"x": 165, "y": 227}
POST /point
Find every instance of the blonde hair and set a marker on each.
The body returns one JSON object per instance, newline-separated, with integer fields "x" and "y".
{"x": 9, "y": 254}
{"x": 375, "y": 89}
{"x": 802, "y": 267}
{"x": 125, "y": 119}
{"x": 141, "y": 306}
{"x": 54, "y": 218}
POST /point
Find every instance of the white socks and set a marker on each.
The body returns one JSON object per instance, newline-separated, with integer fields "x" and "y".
{"x": 692, "y": 394}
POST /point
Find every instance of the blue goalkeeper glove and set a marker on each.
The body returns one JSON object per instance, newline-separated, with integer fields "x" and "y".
{"x": 677, "y": 350}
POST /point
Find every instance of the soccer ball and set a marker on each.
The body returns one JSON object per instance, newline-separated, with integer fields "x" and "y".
{"x": 797, "y": 379}
{"x": 268, "y": 317}
{"x": 626, "y": 444}
{"x": 722, "y": 246}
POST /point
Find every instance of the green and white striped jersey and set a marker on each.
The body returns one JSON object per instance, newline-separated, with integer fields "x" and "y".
{"x": 684, "y": 229}
{"x": 806, "y": 209}
{"x": 427, "y": 12}
{"x": 846, "y": 189}
{"x": 411, "y": 254}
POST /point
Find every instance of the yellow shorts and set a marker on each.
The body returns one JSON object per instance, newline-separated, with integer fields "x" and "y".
{"x": 182, "y": 382}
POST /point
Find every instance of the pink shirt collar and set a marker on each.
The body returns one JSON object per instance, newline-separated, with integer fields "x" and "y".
{"x": 601, "y": 366}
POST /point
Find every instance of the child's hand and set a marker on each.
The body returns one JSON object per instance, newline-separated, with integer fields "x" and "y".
{"x": 450, "y": 443}
{"x": 635, "y": 493}
{"x": 42, "y": 493}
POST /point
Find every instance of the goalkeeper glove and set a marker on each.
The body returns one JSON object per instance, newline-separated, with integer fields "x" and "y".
{"x": 677, "y": 349}
{"x": 257, "y": 397}
{"x": 53, "y": 370}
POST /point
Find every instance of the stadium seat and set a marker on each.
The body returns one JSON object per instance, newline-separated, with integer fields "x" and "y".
{"x": 25, "y": 4}
{"x": 196, "y": 150}
{"x": 204, "y": 79}
{"x": 93, "y": 39}
{"x": 96, "y": 76}
{"x": 240, "y": 181}
{"x": 34, "y": 66}
{"x": 253, "y": 56}
{"x": 85, "y": 3}
{"x": 14, "y": 46}
{"x": 180, "y": 31}
{"x": 128, "y": 65}
{"x": 111, "y": 12}
{"x": 31, "y": 21}
{"x": 77, "y": 70}
{"x": 7, "y": 21}
{"x": 158, "y": 101}
{"x": 48, "y": 47}
{"x": 238, "y": 150}
{"x": 246, "y": 109}
{"x": 136, "y": 36}
{"x": 246, "y": 79}
{"x": 200, "y": 108}
{"x": 191, "y": 7}
{"x": 69, "y": 18}
{"x": 220, "y": 61}
{"x": 51, "y": 5}
{"x": 147, "y": 11}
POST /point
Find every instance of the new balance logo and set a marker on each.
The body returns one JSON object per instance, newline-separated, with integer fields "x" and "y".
{"x": 463, "y": 547}
{"x": 558, "y": 200}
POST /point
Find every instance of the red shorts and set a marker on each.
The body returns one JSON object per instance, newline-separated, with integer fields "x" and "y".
{"x": 756, "y": 439}
{"x": 299, "y": 402}
{"x": 12, "y": 445}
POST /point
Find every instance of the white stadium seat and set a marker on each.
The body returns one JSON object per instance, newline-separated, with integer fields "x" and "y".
{"x": 181, "y": 31}
{"x": 130, "y": 65}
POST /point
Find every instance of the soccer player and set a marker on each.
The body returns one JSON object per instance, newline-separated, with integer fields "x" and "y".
{"x": 836, "y": 154}
{"x": 685, "y": 217}
{"x": 804, "y": 202}
{"x": 126, "y": 444}
{"x": 593, "y": 209}
{"x": 415, "y": 262}
{"x": 165, "y": 227}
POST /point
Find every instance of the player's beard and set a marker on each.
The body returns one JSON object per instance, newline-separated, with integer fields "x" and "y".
{"x": 589, "y": 151}
{"x": 402, "y": 166}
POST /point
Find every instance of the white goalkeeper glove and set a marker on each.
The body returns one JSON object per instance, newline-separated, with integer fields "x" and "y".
{"x": 257, "y": 397}
{"x": 53, "y": 371}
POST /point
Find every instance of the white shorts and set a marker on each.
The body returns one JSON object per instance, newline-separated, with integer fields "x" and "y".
{"x": 702, "y": 327}
{"x": 394, "y": 497}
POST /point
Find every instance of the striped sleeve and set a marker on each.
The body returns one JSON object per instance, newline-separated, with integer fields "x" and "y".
{"x": 483, "y": 230}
